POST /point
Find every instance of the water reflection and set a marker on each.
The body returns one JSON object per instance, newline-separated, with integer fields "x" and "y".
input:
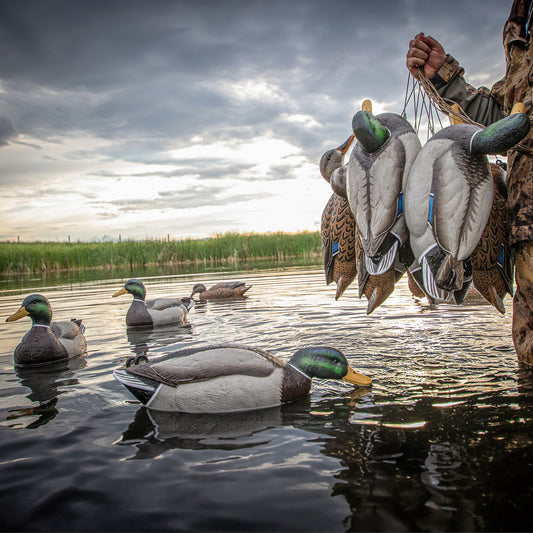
{"x": 144, "y": 339}
{"x": 152, "y": 432}
{"x": 45, "y": 384}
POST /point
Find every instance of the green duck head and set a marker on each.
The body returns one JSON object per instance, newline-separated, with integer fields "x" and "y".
{"x": 333, "y": 159}
{"x": 369, "y": 132}
{"x": 327, "y": 363}
{"x": 37, "y": 307}
{"x": 135, "y": 287}
{"x": 500, "y": 136}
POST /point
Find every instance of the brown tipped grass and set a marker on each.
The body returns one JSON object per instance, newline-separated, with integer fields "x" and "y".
{"x": 23, "y": 257}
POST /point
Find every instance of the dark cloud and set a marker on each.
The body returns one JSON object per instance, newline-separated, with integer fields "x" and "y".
{"x": 145, "y": 77}
{"x": 7, "y": 131}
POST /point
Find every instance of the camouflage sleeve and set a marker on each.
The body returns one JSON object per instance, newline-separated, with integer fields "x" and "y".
{"x": 480, "y": 104}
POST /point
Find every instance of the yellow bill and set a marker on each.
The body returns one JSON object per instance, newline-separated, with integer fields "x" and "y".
{"x": 355, "y": 378}
{"x": 19, "y": 314}
{"x": 120, "y": 292}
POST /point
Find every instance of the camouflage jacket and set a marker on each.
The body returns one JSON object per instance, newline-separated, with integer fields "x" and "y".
{"x": 489, "y": 105}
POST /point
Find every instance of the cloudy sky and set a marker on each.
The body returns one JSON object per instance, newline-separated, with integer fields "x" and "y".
{"x": 148, "y": 118}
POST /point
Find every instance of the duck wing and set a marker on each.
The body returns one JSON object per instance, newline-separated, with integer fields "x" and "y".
{"x": 374, "y": 186}
{"x": 462, "y": 191}
{"x": 67, "y": 329}
{"x": 160, "y": 304}
{"x": 338, "y": 243}
{"x": 202, "y": 364}
{"x": 227, "y": 285}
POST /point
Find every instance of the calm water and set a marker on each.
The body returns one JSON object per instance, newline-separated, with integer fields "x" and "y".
{"x": 441, "y": 442}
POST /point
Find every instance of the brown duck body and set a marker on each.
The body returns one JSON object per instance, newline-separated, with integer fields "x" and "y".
{"x": 492, "y": 266}
{"x": 223, "y": 289}
{"x": 338, "y": 235}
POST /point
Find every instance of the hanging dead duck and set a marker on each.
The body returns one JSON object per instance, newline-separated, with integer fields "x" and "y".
{"x": 337, "y": 227}
{"x": 448, "y": 199}
{"x": 492, "y": 263}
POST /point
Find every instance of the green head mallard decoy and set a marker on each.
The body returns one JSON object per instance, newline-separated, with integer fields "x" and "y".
{"x": 223, "y": 289}
{"x": 231, "y": 378}
{"x": 155, "y": 312}
{"x": 448, "y": 200}
{"x": 386, "y": 148}
{"x": 47, "y": 341}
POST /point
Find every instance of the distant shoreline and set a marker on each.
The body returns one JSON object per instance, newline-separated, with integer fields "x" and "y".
{"x": 32, "y": 257}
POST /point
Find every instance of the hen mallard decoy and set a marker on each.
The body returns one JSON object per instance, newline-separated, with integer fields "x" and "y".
{"x": 492, "y": 262}
{"x": 47, "y": 341}
{"x": 231, "y": 378}
{"x": 337, "y": 227}
{"x": 448, "y": 199}
{"x": 155, "y": 312}
{"x": 223, "y": 289}
{"x": 338, "y": 235}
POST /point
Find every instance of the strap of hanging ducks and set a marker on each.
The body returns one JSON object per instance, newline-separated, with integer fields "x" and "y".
{"x": 458, "y": 115}
{"x": 423, "y": 107}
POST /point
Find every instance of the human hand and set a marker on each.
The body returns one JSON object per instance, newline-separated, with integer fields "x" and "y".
{"x": 426, "y": 53}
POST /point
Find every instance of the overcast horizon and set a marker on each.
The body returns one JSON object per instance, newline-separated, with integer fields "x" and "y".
{"x": 152, "y": 118}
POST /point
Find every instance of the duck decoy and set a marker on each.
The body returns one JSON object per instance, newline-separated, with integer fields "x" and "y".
{"x": 333, "y": 169}
{"x": 231, "y": 378}
{"x": 492, "y": 262}
{"x": 337, "y": 227}
{"x": 155, "y": 312}
{"x": 386, "y": 148}
{"x": 448, "y": 199}
{"x": 223, "y": 289}
{"x": 338, "y": 235}
{"x": 47, "y": 341}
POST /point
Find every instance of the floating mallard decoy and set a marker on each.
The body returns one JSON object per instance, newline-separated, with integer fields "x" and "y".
{"x": 492, "y": 262}
{"x": 378, "y": 167}
{"x": 223, "y": 289}
{"x": 448, "y": 199}
{"x": 337, "y": 228}
{"x": 231, "y": 378}
{"x": 47, "y": 341}
{"x": 155, "y": 312}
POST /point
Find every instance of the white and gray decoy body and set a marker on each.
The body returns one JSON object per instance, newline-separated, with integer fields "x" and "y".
{"x": 448, "y": 199}
{"x": 156, "y": 312}
{"x": 377, "y": 170}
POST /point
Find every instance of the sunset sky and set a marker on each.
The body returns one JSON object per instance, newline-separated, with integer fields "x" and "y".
{"x": 189, "y": 118}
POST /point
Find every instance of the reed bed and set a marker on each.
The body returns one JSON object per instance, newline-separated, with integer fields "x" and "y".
{"x": 23, "y": 257}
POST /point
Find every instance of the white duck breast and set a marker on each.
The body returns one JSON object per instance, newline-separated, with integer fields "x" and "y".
{"x": 375, "y": 184}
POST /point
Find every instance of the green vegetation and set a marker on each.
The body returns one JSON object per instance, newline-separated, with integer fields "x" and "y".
{"x": 37, "y": 256}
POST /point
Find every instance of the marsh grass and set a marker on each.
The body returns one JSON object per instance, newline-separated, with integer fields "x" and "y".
{"x": 23, "y": 257}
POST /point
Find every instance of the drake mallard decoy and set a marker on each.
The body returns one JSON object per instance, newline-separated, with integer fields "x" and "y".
{"x": 223, "y": 289}
{"x": 231, "y": 378}
{"x": 337, "y": 227}
{"x": 448, "y": 199}
{"x": 386, "y": 148}
{"x": 492, "y": 262}
{"x": 155, "y": 312}
{"x": 47, "y": 341}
